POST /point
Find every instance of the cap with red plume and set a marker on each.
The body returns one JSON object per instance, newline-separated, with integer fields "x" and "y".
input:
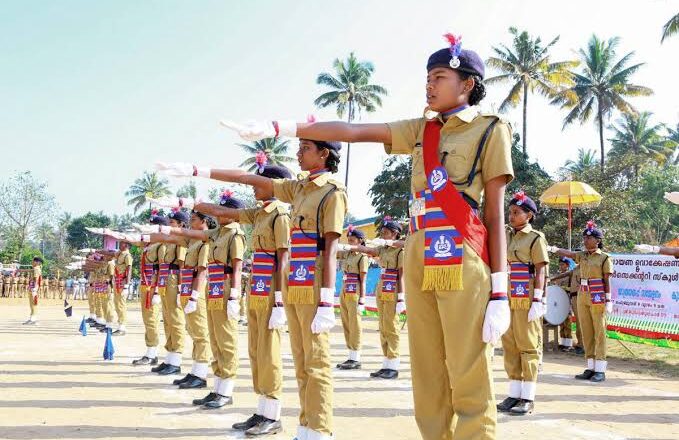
{"x": 523, "y": 201}
{"x": 228, "y": 200}
{"x": 592, "y": 230}
{"x": 157, "y": 218}
{"x": 179, "y": 215}
{"x": 388, "y": 223}
{"x": 352, "y": 231}
{"x": 455, "y": 57}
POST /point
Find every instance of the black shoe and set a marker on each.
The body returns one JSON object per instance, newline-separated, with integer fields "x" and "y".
{"x": 579, "y": 350}
{"x": 388, "y": 374}
{"x": 585, "y": 375}
{"x": 209, "y": 398}
{"x": 119, "y": 333}
{"x": 219, "y": 402}
{"x": 507, "y": 404}
{"x": 104, "y": 329}
{"x": 265, "y": 427}
{"x": 145, "y": 360}
{"x": 349, "y": 365}
{"x": 169, "y": 369}
{"x": 524, "y": 407}
{"x": 194, "y": 383}
{"x": 598, "y": 377}
{"x": 90, "y": 321}
{"x": 159, "y": 367}
{"x": 565, "y": 349}
{"x": 377, "y": 373}
{"x": 93, "y": 324}
{"x": 254, "y": 420}
{"x": 183, "y": 379}
{"x": 99, "y": 326}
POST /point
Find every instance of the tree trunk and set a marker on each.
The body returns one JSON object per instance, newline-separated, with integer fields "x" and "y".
{"x": 525, "y": 116}
{"x": 350, "y": 119}
{"x": 601, "y": 136}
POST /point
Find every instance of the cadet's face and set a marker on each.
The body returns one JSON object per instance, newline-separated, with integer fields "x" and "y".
{"x": 387, "y": 234}
{"x": 590, "y": 242}
{"x": 310, "y": 157}
{"x": 123, "y": 246}
{"x": 196, "y": 222}
{"x": 563, "y": 267}
{"x": 446, "y": 90}
{"x": 353, "y": 240}
{"x": 174, "y": 223}
{"x": 518, "y": 218}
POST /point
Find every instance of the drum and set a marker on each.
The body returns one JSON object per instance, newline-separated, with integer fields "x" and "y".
{"x": 558, "y": 305}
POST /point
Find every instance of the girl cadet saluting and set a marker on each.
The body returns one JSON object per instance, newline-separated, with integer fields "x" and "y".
{"x": 319, "y": 205}
{"x": 352, "y": 300}
{"x": 594, "y": 299}
{"x": 266, "y": 313}
{"x": 528, "y": 258}
{"x": 455, "y": 264}
{"x": 224, "y": 257}
{"x": 390, "y": 293}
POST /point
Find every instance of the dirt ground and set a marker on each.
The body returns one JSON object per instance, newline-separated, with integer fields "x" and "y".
{"x": 55, "y": 385}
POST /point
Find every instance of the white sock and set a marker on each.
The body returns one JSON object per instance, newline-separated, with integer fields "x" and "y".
{"x": 121, "y": 327}
{"x": 600, "y": 366}
{"x": 199, "y": 369}
{"x": 393, "y": 364}
{"x": 514, "y": 389}
{"x": 315, "y": 435}
{"x": 151, "y": 352}
{"x": 353, "y": 356}
{"x": 260, "y": 405}
{"x": 272, "y": 409}
{"x": 528, "y": 390}
{"x": 590, "y": 364}
{"x": 567, "y": 342}
{"x": 226, "y": 387}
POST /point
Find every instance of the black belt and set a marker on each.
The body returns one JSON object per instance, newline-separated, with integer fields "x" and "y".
{"x": 174, "y": 267}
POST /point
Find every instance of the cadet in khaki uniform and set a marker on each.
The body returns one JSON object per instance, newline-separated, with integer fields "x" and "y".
{"x": 528, "y": 258}
{"x": 352, "y": 299}
{"x": 22, "y": 285}
{"x": 168, "y": 280}
{"x": 309, "y": 301}
{"x": 106, "y": 275}
{"x": 457, "y": 287}
{"x": 390, "y": 294}
{"x": 594, "y": 300}
{"x": 121, "y": 280}
{"x": 569, "y": 281}
{"x": 34, "y": 284}
{"x": 149, "y": 297}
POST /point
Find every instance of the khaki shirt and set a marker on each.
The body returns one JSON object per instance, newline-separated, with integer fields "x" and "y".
{"x": 174, "y": 254}
{"x": 355, "y": 262}
{"x": 197, "y": 253}
{"x": 271, "y": 226}
{"x": 123, "y": 262}
{"x": 460, "y": 137}
{"x": 593, "y": 265}
{"x": 155, "y": 252}
{"x": 305, "y": 196}
{"x": 390, "y": 257}
{"x": 229, "y": 236}
{"x": 36, "y": 273}
{"x": 110, "y": 268}
{"x": 519, "y": 249}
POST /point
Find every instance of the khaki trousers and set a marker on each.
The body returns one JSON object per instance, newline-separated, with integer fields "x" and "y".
{"x": 173, "y": 317}
{"x": 521, "y": 347}
{"x": 351, "y": 320}
{"x": 593, "y": 325}
{"x": 389, "y": 331}
{"x": 150, "y": 318}
{"x": 264, "y": 350}
{"x": 120, "y": 301}
{"x": 196, "y": 327}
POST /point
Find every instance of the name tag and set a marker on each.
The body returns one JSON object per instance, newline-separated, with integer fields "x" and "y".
{"x": 417, "y": 207}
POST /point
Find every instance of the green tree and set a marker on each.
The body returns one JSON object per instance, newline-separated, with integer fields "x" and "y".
{"x": 601, "y": 86}
{"x": 670, "y": 28}
{"x": 390, "y": 191}
{"x": 635, "y": 135}
{"x": 188, "y": 190}
{"x": 350, "y": 92}
{"x": 276, "y": 151}
{"x": 79, "y": 238}
{"x": 147, "y": 186}
{"x": 45, "y": 235}
{"x": 578, "y": 169}
{"x": 673, "y": 139}
{"x": 527, "y": 66}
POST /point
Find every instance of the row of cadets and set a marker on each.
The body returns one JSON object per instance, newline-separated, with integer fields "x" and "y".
{"x": 319, "y": 205}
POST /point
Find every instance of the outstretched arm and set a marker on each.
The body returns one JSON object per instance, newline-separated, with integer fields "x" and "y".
{"x": 217, "y": 211}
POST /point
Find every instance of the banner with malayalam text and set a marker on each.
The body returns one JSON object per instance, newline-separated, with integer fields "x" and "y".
{"x": 645, "y": 294}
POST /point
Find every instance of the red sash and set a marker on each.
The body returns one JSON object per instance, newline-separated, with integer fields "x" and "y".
{"x": 455, "y": 208}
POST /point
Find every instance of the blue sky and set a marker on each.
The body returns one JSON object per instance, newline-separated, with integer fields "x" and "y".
{"x": 94, "y": 92}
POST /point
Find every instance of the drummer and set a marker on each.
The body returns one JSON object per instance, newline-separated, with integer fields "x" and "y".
{"x": 569, "y": 279}
{"x": 528, "y": 258}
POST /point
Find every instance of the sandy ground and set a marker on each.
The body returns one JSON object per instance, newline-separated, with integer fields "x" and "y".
{"x": 55, "y": 385}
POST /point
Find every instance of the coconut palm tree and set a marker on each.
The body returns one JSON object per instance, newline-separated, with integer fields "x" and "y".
{"x": 528, "y": 67}
{"x": 601, "y": 86}
{"x": 584, "y": 164}
{"x": 673, "y": 138}
{"x": 276, "y": 151}
{"x": 350, "y": 92}
{"x": 147, "y": 186}
{"x": 670, "y": 28}
{"x": 635, "y": 135}
{"x": 188, "y": 190}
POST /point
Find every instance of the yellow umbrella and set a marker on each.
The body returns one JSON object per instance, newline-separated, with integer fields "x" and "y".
{"x": 569, "y": 195}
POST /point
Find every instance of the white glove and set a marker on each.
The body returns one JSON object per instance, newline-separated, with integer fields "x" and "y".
{"x": 552, "y": 249}
{"x": 144, "y": 238}
{"x": 344, "y": 247}
{"x": 34, "y": 292}
{"x": 360, "y": 307}
{"x": 647, "y": 249}
{"x": 155, "y": 299}
{"x": 258, "y": 130}
{"x": 278, "y": 318}
{"x": 146, "y": 229}
{"x": 498, "y": 316}
{"x": 382, "y": 242}
{"x": 182, "y": 169}
{"x": 537, "y": 308}
{"x": 672, "y": 197}
{"x": 400, "y": 303}
{"x": 232, "y": 305}
{"x": 191, "y": 305}
{"x": 609, "y": 303}
{"x": 324, "y": 320}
